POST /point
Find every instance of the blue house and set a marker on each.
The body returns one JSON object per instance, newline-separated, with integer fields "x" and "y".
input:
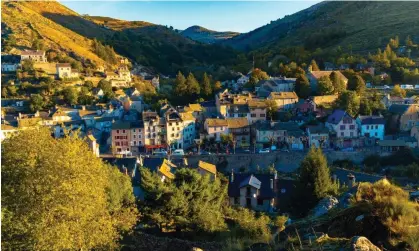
{"x": 372, "y": 126}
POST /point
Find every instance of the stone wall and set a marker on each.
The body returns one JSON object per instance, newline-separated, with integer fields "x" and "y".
{"x": 283, "y": 161}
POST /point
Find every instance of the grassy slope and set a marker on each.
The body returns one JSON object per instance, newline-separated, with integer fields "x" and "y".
{"x": 25, "y": 18}
{"x": 367, "y": 25}
{"x": 204, "y": 35}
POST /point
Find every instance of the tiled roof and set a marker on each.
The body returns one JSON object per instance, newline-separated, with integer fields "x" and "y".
{"x": 165, "y": 169}
{"x": 32, "y": 53}
{"x": 336, "y": 116}
{"x": 64, "y": 65}
{"x": 216, "y": 122}
{"x": 284, "y": 95}
{"x": 237, "y": 122}
{"x": 194, "y": 107}
{"x": 326, "y": 99}
{"x": 186, "y": 116}
{"x": 319, "y": 74}
{"x": 257, "y": 103}
{"x": 208, "y": 167}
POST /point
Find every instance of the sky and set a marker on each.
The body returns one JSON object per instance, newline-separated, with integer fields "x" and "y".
{"x": 239, "y": 16}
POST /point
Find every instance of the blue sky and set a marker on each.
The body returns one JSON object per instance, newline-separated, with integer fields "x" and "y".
{"x": 237, "y": 16}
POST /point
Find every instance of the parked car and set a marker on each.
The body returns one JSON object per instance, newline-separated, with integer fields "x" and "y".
{"x": 161, "y": 152}
{"x": 178, "y": 152}
{"x": 266, "y": 150}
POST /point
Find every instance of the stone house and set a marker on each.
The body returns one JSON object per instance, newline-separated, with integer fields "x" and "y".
{"x": 253, "y": 191}
{"x": 403, "y": 117}
{"x": 34, "y": 55}
{"x": 318, "y": 136}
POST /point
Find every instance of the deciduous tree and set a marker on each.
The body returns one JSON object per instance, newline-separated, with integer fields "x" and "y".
{"x": 324, "y": 86}
{"x": 302, "y": 87}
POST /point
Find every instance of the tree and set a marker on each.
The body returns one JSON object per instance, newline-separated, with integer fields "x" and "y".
{"x": 70, "y": 95}
{"x": 324, "y": 86}
{"x": 178, "y": 205}
{"x": 271, "y": 108}
{"x": 258, "y": 74}
{"x": 302, "y": 87}
{"x": 398, "y": 91}
{"x": 206, "y": 85}
{"x": 357, "y": 84}
{"x": 68, "y": 198}
{"x": 192, "y": 85}
{"x": 84, "y": 97}
{"x": 180, "y": 87}
{"x": 27, "y": 65}
{"x": 12, "y": 90}
{"x": 217, "y": 86}
{"x": 338, "y": 83}
{"x": 350, "y": 102}
{"x": 36, "y": 103}
{"x": 89, "y": 85}
{"x": 314, "y": 181}
{"x": 314, "y": 66}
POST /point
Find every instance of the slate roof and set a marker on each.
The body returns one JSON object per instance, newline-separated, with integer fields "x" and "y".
{"x": 398, "y": 109}
{"x": 121, "y": 125}
{"x": 261, "y": 180}
{"x": 257, "y": 104}
{"x": 336, "y": 116}
{"x": 342, "y": 176}
{"x": 129, "y": 162}
{"x": 372, "y": 120}
{"x": 318, "y": 129}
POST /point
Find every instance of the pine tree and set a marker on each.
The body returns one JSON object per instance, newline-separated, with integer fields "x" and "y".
{"x": 314, "y": 66}
{"x": 217, "y": 86}
{"x": 314, "y": 181}
{"x": 302, "y": 87}
{"x": 192, "y": 85}
{"x": 206, "y": 85}
{"x": 180, "y": 87}
{"x": 338, "y": 84}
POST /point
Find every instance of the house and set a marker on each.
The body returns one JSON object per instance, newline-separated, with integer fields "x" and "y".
{"x": 314, "y": 76}
{"x": 242, "y": 80}
{"x": 98, "y": 93}
{"x": 318, "y": 136}
{"x": 255, "y": 191}
{"x": 389, "y": 100}
{"x": 127, "y": 165}
{"x": 10, "y": 63}
{"x": 257, "y": 110}
{"x": 403, "y": 117}
{"x": 205, "y": 168}
{"x": 7, "y": 131}
{"x": 34, "y": 55}
{"x": 307, "y": 106}
{"x": 174, "y": 127}
{"x": 189, "y": 129}
{"x": 93, "y": 145}
{"x": 284, "y": 100}
{"x": 279, "y": 133}
{"x": 154, "y": 80}
{"x": 137, "y": 103}
{"x": 164, "y": 168}
{"x": 238, "y": 111}
{"x": 196, "y": 110}
{"x": 215, "y": 128}
{"x": 372, "y": 126}
{"x": 154, "y": 131}
{"x": 239, "y": 128}
{"x": 281, "y": 84}
{"x": 344, "y": 128}
{"x": 64, "y": 70}
{"x": 391, "y": 145}
{"x": 127, "y": 137}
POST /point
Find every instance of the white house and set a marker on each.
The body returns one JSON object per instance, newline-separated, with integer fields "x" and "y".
{"x": 64, "y": 70}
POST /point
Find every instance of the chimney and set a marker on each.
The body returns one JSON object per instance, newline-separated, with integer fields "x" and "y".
{"x": 232, "y": 176}
{"x": 351, "y": 180}
{"x": 272, "y": 184}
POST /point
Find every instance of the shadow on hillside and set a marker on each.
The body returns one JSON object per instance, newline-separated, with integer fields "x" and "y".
{"x": 78, "y": 24}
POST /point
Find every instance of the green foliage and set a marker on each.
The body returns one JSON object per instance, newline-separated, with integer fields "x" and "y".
{"x": 36, "y": 103}
{"x": 302, "y": 87}
{"x": 350, "y": 102}
{"x": 271, "y": 108}
{"x": 314, "y": 181}
{"x": 314, "y": 66}
{"x": 70, "y": 95}
{"x": 27, "y": 65}
{"x": 190, "y": 203}
{"x": 357, "y": 84}
{"x": 67, "y": 196}
{"x": 217, "y": 86}
{"x": 84, "y": 96}
{"x": 337, "y": 82}
{"x": 398, "y": 91}
{"x": 105, "y": 52}
{"x": 192, "y": 85}
{"x": 392, "y": 206}
{"x": 206, "y": 85}
{"x": 325, "y": 86}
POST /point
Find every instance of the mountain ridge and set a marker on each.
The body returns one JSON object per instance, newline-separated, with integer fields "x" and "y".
{"x": 204, "y": 35}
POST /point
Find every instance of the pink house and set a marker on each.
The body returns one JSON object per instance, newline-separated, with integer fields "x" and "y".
{"x": 341, "y": 123}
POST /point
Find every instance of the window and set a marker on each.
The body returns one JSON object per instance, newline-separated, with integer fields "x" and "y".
{"x": 123, "y": 131}
{"x": 134, "y": 143}
{"x": 248, "y": 191}
{"x": 177, "y": 123}
{"x": 376, "y": 127}
{"x": 170, "y": 124}
{"x": 248, "y": 202}
{"x": 262, "y": 115}
{"x": 368, "y": 127}
{"x": 352, "y": 127}
{"x": 253, "y": 115}
{"x": 173, "y": 135}
{"x": 376, "y": 134}
{"x": 134, "y": 136}
{"x": 342, "y": 134}
{"x": 117, "y": 131}
{"x": 352, "y": 134}
{"x": 342, "y": 127}
{"x": 133, "y": 130}
{"x": 260, "y": 202}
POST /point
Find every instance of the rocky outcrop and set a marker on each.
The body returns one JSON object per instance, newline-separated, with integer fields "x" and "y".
{"x": 360, "y": 243}
{"x": 325, "y": 205}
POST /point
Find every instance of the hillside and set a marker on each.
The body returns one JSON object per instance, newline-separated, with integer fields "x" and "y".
{"x": 158, "y": 47}
{"x": 363, "y": 25}
{"x": 29, "y": 20}
{"x": 204, "y": 35}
